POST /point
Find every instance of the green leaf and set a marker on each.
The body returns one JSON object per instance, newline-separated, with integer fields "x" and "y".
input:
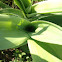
{"x": 27, "y": 4}
{"x": 50, "y": 33}
{"x": 2, "y": 5}
{"x": 28, "y": 11}
{"x": 19, "y": 4}
{"x": 24, "y": 4}
{"x": 53, "y": 49}
{"x": 51, "y": 17}
{"x": 47, "y": 7}
{"x": 12, "y": 11}
{"x": 39, "y": 54}
{"x": 54, "y": 18}
{"x": 10, "y": 35}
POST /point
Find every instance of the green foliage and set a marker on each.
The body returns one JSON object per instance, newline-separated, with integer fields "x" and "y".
{"x": 9, "y": 31}
{"x": 2, "y": 5}
{"x": 55, "y": 18}
{"x": 47, "y": 7}
{"x": 23, "y": 4}
{"x": 39, "y": 54}
{"x": 19, "y": 27}
{"x": 11, "y": 11}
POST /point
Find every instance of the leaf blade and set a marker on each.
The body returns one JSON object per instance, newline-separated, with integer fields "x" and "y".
{"x": 40, "y": 54}
{"x": 10, "y": 35}
{"x": 45, "y": 32}
{"x": 50, "y": 34}
{"x": 12, "y": 11}
{"x": 47, "y": 7}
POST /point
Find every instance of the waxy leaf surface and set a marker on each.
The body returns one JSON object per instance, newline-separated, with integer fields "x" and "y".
{"x": 10, "y": 35}
{"x": 39, "y": 54}
{"x": 51, "y": 36}
{"x": 47, "y": 7}
{"x": 11, "y": 11}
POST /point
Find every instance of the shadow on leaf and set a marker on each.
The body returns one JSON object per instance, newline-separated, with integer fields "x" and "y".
{"x": 54, "y": 49}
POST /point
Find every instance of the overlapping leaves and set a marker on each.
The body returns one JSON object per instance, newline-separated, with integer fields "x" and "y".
{"x": 44, "y": 41}
{"x": 11, "y": 36}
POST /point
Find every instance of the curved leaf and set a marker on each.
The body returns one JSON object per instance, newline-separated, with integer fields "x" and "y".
{"x": 39, "y": 54}
{"x": 10, "y": 35}
{"x": 20, "y": 4}
{"x": 47, "y": 7}
{"x": 24, "y": 5}
{"x": 12, "y": 11}
{"x": 55, "y": 18}
{"x": 51, "y": 17}
{"x": 49, "y": 33}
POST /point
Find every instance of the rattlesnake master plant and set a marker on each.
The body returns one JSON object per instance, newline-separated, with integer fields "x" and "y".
{"x": 44, "y": 38}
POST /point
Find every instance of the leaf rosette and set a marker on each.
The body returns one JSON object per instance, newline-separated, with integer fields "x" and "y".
{"x": 43, "y": 38}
